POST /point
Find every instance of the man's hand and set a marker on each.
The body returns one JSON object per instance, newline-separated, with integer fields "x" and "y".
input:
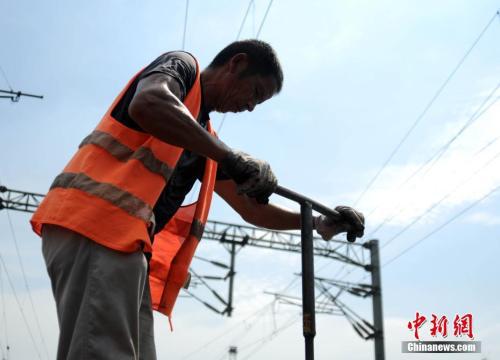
{"x": 253, "y": 177}
{"x": 352, "y": 222}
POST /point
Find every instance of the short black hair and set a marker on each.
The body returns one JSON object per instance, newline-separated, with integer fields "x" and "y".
{"x": 262, "y": 59}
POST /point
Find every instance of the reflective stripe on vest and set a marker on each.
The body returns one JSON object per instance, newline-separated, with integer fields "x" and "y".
{"x": 123, "y": 153}
{"x": 119, "y": 198}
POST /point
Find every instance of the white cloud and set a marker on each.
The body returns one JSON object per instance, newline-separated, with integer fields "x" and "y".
{"x": 464, "y": 173}
{"x": 483, "y": 218}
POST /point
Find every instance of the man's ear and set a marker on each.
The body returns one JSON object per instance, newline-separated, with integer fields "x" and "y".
{"x": 238, "y": 63}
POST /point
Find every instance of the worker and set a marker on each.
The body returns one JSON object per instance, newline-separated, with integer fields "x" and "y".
{"x": 117, "y": 203}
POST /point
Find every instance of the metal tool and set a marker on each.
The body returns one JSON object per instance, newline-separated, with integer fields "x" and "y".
{"x": 307, "y": 205}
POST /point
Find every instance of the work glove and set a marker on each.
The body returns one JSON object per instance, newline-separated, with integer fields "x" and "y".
{"x": 351, "y": 221}
{"x": 253, "y": 177}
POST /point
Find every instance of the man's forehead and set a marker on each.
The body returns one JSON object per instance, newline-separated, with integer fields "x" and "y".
{"x": 268, "y": 84}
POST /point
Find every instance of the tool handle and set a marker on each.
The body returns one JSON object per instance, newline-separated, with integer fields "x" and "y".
{"x": 322, "y": 209}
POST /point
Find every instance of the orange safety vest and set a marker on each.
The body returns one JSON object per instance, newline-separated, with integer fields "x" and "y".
{"x": 108, "y": 190}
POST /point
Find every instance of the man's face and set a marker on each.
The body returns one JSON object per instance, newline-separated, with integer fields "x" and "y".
{"x": 239, "y": 92}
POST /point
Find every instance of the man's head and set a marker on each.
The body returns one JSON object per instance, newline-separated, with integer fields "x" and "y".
{"x": 242, "y": 75}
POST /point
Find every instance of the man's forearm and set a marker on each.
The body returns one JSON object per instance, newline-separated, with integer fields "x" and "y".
{"x": 274, "y": 217}
{"x": 160, "y": 113}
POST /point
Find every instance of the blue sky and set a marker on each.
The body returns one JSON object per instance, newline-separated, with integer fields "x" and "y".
{"x": 357, "y": 75}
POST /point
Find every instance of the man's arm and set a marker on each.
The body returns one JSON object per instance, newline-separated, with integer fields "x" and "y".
{"x": 271, "y": 216}
{"x": 268, "y": 216}
{"x": 159, "y": 112}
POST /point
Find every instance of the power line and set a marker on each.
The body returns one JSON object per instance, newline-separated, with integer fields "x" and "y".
{"x": 264, "y": 340}
{"x": 5, "y": 352}
{"x": 435, "y": 230}
{"x": 17, "y": 299}
{"x": 185, "y": 26}
{"x": 11, "y": 284}
{"x": 434, "y": 158}
{"x": 426, "y": 109}
{"x": 14, "y": 96}
{"x": 6, "y": 79}
{"x": 472, "y": 119}
{"x": 264, "y": 19}
{"x": 256, "y": 36}
{"x": 253, "y": 18}
{"x": 431, "y": 159}
{"x": 492, "y": 141}
{"x": 442, "y": 226}
{"x": 237, "y": 38}
{"x": 257, "y": 314}
{"x": 244, "y": 19}
{"x": 248, "y": 327}
{"x": 28, "y": 290}
{"x": 225, "y": 333}
{"x": 451, "y": 219}
{"x": 433, "y": 206}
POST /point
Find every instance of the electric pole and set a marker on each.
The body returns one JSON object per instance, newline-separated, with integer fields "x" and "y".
{"x": 378, "y": 320}
{"x": 233, "y": 352}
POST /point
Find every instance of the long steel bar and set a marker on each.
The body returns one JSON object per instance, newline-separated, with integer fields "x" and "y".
{"x": 292, "y": 195}
{"x": 308, "y": 297}
{"x": 378, "y": 319}
{"x": 307, "y": 205}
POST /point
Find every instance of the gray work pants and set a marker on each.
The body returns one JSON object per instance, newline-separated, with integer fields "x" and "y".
{"x": 102, "y": 298}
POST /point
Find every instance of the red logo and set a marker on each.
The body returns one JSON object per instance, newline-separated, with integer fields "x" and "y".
{"x": 439, "y": 326}
{"x": 462, "y": 325}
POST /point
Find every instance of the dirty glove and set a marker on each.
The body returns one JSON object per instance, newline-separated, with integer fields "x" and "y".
{"x": 253, "y": 177}
{"x": 352, "y": 222}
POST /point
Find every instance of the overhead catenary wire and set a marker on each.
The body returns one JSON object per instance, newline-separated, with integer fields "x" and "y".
{"x": 264, "y": 340}
{"x": 264, "y": 19}
{"x": 253, "y": 18}
{"x": 434, "y": 158}
{"x": 491, "y": 142}
{"x": 218, "y": 337}
{"x": 185, "y": 26}
{"x": 435, "y": 230}
{"x": 256, "y": 36}
{"x": 6, "y": 79}
{"x": 471, "y": 120}
{"x": 20, "y": 306}
{"x": 426, "y": 109}
{"x": 244, "y": 19}
{"x": 4, "y": 322}
{"x": 258, "y": 313}
{"x": 14, "y": 293}
{"x": 440, "y": 201}
{"x": 26, "y": 285}
{"x": 359, "y": 324}
{"x": 478, "y": 113}
{"x": 246, "y": 330}
{"x": 440, "y": 227}
{"x": 434, "y": 205}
